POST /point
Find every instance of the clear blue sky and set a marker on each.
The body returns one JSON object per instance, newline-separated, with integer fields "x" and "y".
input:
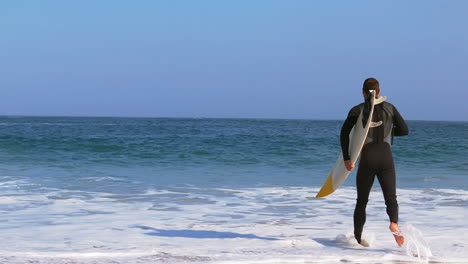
{"x": 234, "y": 58}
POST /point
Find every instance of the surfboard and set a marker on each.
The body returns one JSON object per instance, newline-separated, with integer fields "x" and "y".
{"x": 339, "y": 173}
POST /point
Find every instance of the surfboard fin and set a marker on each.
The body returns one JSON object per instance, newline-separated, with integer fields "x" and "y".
{"x": 380, "y": 100}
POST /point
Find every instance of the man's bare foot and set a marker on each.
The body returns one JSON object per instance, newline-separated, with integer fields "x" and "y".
{"x": 364, "y": 243}
{"x": 400, "y": 240}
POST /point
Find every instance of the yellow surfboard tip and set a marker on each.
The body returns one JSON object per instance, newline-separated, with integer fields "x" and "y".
{"x": 327, "y": 187}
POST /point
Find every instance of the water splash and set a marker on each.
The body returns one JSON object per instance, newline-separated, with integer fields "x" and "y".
{"x": 416, "y": 245}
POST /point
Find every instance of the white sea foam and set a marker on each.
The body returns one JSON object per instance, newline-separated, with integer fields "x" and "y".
{"x": 252, "y": 225}
{"x": 416, "y": 244}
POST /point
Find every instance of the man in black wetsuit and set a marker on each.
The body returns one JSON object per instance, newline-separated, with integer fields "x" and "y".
{"x": 376, "y": 157}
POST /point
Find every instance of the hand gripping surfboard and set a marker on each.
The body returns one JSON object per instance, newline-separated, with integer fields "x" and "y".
{"x": 358, "y": 135}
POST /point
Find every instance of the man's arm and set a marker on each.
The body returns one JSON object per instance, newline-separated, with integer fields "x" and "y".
{"x": 399, "y": 125}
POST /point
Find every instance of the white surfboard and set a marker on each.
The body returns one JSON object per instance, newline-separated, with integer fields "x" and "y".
{"x": 358, "y": 135}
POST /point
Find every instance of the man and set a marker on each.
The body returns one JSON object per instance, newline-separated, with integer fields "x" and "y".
{"x": 376, "y": 157}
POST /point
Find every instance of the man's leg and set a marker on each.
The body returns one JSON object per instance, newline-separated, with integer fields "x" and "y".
{"x": 364, "y": 181}
{"x": 388, "y": 183}
{"x": 387, "y": 180}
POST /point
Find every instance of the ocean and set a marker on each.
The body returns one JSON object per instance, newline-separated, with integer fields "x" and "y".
{"x": 175, "y": 190}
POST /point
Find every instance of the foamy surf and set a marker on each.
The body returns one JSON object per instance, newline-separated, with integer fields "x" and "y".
{"x": 348, "y": 240}
{"x": 244, "y": 225}
{"x": 416, "y": 244}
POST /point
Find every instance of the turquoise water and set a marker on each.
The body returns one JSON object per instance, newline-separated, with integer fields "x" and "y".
{"x": 119, "y": 155}
{"x": 158, "y": 190}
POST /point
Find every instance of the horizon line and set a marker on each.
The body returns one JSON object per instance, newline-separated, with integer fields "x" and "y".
{"x": 204, "y": 117}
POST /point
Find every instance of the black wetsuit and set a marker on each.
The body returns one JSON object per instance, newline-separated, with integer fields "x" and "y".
{"x": 376, "y": 159}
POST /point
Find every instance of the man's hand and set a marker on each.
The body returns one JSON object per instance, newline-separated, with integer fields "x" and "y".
{"x": 349, "y": 165}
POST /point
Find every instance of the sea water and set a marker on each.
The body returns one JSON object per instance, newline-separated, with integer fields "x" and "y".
{"x": 153, "y": 190}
